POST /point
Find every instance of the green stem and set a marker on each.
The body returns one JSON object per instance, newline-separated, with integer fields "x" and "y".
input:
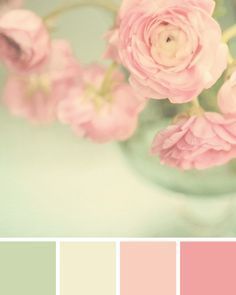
{"x": 107, "y": 79}
{"x": 229, "y": 34}
{"x": 82, "y": 3}
{"x": 196, "y": 108}
{"x": 196, "y": 104}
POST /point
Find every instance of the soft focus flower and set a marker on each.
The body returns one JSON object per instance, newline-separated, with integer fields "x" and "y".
{"x": 172, "y": 48}
{"x": 197, "y": 142}
{"x": 227, "y": 96}
{"x": 35, "y": 96}
{"x": 24, "y": 40}
{"x": 102, "y": 109}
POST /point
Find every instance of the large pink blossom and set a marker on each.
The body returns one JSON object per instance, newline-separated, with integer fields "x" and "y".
{"x": 101, "y": 115}
{"x": 24, "y": 40}
{"x": 227, "y": 96}
{"x": 197, "y": 142}
{"x": 35, "y": 96}
{"x": 172, "y": 48}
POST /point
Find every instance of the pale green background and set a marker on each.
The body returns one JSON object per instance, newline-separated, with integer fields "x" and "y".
{"x": 27, "y": 269}
{"x": 54, "y": 184}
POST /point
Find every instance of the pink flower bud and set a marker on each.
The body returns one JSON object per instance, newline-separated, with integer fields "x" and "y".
{"x": 24, "y": 41}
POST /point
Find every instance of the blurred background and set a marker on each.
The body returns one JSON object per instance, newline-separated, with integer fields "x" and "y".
{"x": 55, "y": 184}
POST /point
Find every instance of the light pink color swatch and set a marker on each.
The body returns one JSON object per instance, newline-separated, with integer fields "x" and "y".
{"x": 148, "y": 268}
{"x": 208, "y": 268}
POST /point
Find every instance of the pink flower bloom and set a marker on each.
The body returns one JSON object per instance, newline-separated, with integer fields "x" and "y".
{"x": 35, "y": 96}
{"x": 172, "y": 48}
{"x": 24, "y": 40}
{"x": 197, "y": 142}
{"x": 101, "y": 113}
{"x": 227, "y": 96}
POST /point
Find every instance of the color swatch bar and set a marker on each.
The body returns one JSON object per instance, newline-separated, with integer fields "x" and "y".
{"x": 117, "y": 268}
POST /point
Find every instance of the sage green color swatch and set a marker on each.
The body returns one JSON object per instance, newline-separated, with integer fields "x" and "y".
{"x": 27, "y": 268}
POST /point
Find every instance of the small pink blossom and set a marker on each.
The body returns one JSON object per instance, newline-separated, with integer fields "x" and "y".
{"x": 167, "y": 45}
{"x": 197, "y": 142}
{"x": 227, "y": 96}
{"x": 101, "y": 114}
{"x": 24, "y": 40}
{"x": 35, "y": 96}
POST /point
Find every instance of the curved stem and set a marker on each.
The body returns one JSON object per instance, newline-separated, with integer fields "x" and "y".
{"x": 107, "y": 79}
{"x": 195, "y": 103}
{"x": 229, "y": 34}
{"x": 196, "y": 108}
{"x": 230, "y": 59}
{"x": 82, "y": 3}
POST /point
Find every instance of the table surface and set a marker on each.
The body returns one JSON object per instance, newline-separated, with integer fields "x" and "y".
{"x": 55, "y": 184}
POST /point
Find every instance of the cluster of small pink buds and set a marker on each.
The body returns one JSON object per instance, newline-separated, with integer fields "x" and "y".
{"x": 46, "y": 82}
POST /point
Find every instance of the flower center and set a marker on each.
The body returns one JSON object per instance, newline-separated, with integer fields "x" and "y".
{"x": 39, "y": 83}
{"x": 168, "y": 39}
{"x": 92, "y": 94}
{"x": 169, "y": 45}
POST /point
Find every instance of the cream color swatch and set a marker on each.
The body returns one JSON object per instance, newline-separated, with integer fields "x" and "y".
{"x": 88, "y": 269}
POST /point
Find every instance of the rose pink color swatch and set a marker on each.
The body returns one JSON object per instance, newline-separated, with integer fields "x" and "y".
{"x": 208, "y": 268}
{"x": 148, "y": 268}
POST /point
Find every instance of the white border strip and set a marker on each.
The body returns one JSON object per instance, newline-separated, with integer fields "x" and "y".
{"x": 114, "y": 240}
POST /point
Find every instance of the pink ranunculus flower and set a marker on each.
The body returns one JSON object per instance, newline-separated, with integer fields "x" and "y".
{"x": 35, "y": 96}
{"x": 24, "y": 40}
{"x": 227, "y": 96}
{"x": 101, "y": 114}
{"x": 172, "y": 48}
{"x": 197, "y": 142}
